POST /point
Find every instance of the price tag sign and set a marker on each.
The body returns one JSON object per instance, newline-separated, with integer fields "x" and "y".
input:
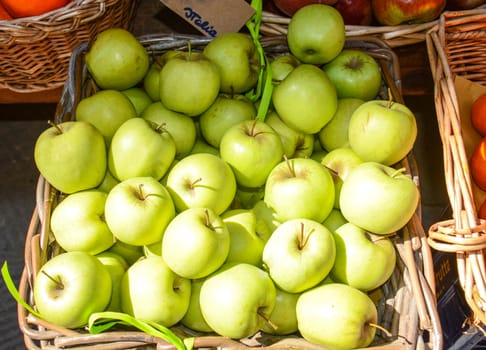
{"x": 215, "y": 17}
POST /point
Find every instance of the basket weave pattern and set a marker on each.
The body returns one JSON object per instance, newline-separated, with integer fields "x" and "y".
{"x": 406, "y": 303}
{"x": 457, "y": 48}
{"x": 35, "y": 51}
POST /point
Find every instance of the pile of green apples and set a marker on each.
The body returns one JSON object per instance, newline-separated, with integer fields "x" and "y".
{"x": 178, "y": 205}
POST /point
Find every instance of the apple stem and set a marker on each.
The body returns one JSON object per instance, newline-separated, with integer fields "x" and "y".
{"x": 267, "y": 320}
{"x": 383, "y": 329}
{"x": 193, "y": 184}
{"x": 57, "y": 282}
{"x": 51, "y": 123}
{"x": 290, "y": 165}
{"x": 189, "y": 49}
{"x": 397, "y": 172}
{"x": 390, "y": 98}
{"x": 303, "y": 238}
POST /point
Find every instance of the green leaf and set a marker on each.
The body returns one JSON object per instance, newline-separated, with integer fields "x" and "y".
{"x": 101, "y": 321}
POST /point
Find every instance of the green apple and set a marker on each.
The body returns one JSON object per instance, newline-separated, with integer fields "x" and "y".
{"x": 138, "y": 210}
{"x": 201, "y": 146}
{"x": 316, "y": 34}
{"x": 300, "y": 188}
{"x": 108, "y": 182}
{"x": 116, "y": 266}
{"x": 64, "y": 292}
{"x": 153, "y": 249}
{"x": 282, "y": 65}
{"x": 117, "y": 60}
{"x": 71, "y": 156}
{"x": 334, "y": 220}
{"x": 355, "y": 74}
{"x": 295, "y": 143}
{"x": 139, "y": 98}
{"x": 106, "y": 110}
{"x": 225, "y": 112}
{"x": 382, "y": 131}
{"x": 340, "y": 162}
{"x": 247, "y": 197}
{"x": 237, "y": 58}
{"x": 194, "y": 318}
{"x": 319, "y": 155}
{"x": 78, "y": 224}
{"x": 283, "y": 320}
{"x": 189, "y": 83}
{"x": 201, "y": 180}
{"x": 181, "y": 127}
{"x": 152, "y": 77}
{"x": 378, "y": 198}
{"x": 129, "y": 252}
{"x": 151, "y": 291}
{"x": 266, "y": 219}
{"x": 237, "y": 300}
{"x": 252, "y": 148}
{"x": 335, "y": 133}
{"x": 195, "y": 243}
{"x": 299, "y": 254}
{"x": 246, "y": 246}
{"x": 306, "y": 99}
{"x": 363, "y": 260}
{"x": 337, "y": 317}
{"x": 140, "y": 148}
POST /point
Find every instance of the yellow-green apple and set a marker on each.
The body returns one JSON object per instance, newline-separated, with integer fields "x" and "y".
{"x": 334, "y": 220}
{"x": 299, "y": 254}
{"x": 340, "y": 161}
{"x": 71, "y": 156}
{"x": 394, "y": 12}
{"x": 78, "y": 224}
{"x": 181, "y": 127}
{"x": 129, "y": 252}
{"x": 363, "y": 260}
{"x": 201, "y": 146}
{"x": 201, "y": 180}
{"x": 152, "y": 77}
{"x": 64, "y": 292}
{"x": 382, "y": 131}
{"x": 116, "y": 266}
{"x": 337, "y": 316}
{"x": 282, "y": 65}
{"x": 378, "y": 198}
{"x": 335, "y": 133}
{"x": 266, "y": 220}
{"x": 225, "y": 112}
{"x": 138, "y": 210}
{"x": 189, "y": 83}
{"x": 153, "y": 249}
{"x": 108, "y": 182}
{"x": 355, "y": 74}
{"x": 247, "y": 197}
{"x": 151, "y": 291}
{"x": 106, "y": 110}
{"x": 252, "y": 148}
{"x": 316, "y": 34}
{"x": 283, "y": 320}
{"x": 193, "y": 318}
{"x": 140, "y": 148}
{"x": 237, "y": 300}
{"x": 355, "y": 12}
{"x": 237, "y": 58}
{"x": 138, "y": 97}
{"x": 295, "y": 143}
{"x": 195, "y": 243}
{"x": 306, "y": 99}
{"x": 246, "y": 246}
{"x": 300, "y": 188}
{"x": 117, "y": 60}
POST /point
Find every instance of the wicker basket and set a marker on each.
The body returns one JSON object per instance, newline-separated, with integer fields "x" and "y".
{"x": 406, "y": 304}
{"x": 457, "y": 54}
{"x": 35, "y": 51}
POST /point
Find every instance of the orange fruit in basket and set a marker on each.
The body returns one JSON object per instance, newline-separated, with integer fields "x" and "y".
{"x": 27, "y": 8}
{"x": 478, "y": 164}
{"x": 478, "y": 114}
{"x": 4, "y": 15}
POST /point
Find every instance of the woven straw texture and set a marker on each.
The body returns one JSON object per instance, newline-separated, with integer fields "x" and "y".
{"x": 406, "y": 304}
{"x": 457, "y": 54}
{"x": 35, "y": 51}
